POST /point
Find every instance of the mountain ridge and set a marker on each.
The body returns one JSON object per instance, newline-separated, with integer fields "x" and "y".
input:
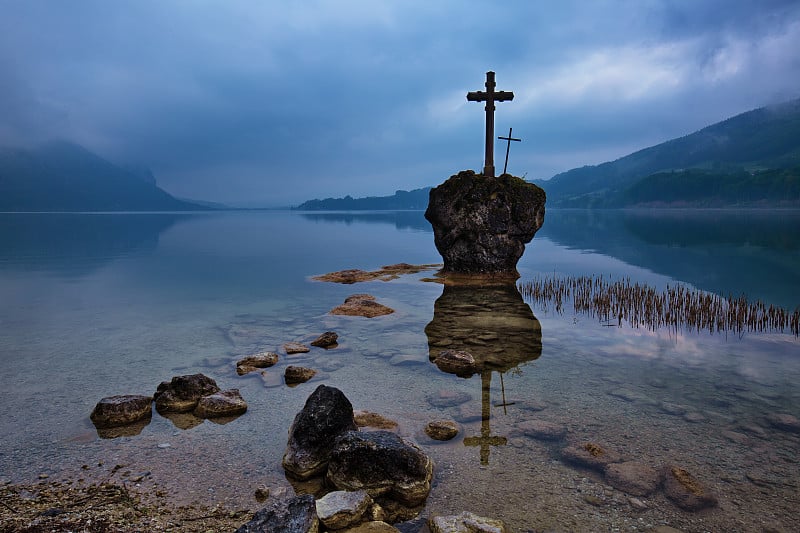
{"x": 63, "y": 176}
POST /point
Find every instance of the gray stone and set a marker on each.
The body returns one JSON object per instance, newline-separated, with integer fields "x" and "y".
{"x": 259, "y": 360}
{"x": 340, "y": 509}
{"x": 784, "y": 422}
{"x": 114, "y": 411}
{"x": 223, "y": 403}
{"x": 481, "y": 223}
{"x": 448, "y": 398}
{"x": 326, "y": 415}
{"x": 292, "y": 515}
{"x": 181, "y": 394}
{"x": 633, "y": 477}
{"x": 465, "y": 523}
{"x": 382, "y": 463}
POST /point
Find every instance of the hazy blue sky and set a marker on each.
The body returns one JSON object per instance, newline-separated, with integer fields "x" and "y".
{"x": 267, "y": 102}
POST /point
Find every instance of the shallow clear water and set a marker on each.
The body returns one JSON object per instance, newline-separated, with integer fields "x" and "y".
{"x": 102, "y": 304}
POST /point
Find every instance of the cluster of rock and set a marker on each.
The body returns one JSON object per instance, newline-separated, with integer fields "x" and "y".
{"x": 350, "y": 512}
{"x": 197, "y": 394}
{"x": 377, "y": 477}
{"x": 293, "y": 374}
{"x": 640, "y": 479}
{"x": 481, "y": 224}
{"x": 386, "y": 273}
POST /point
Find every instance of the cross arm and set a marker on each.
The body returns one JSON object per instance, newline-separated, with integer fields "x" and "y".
{"x": 476, "y": 96}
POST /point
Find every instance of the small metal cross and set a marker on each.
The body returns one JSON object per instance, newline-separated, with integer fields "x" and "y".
{"x": 508, "y": 147}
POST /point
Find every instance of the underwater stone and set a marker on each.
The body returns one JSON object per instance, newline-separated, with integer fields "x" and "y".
{"x": 590, "y": 455}
{"x": 686, "y": 491}
{"x": 633, "y": 477}
{"x": 465, "y": 523}
{"x": 298, "y": 374}
{"x": 441, "y": 429}
{"x": 292, "y": 515}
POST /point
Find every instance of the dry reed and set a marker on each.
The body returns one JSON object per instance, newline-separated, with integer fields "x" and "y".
{"x": 677, "y": 307}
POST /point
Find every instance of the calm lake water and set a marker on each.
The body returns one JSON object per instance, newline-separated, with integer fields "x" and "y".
{"x": 95, "y": 305}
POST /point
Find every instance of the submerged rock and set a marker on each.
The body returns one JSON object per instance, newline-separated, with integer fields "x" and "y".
{"x": 465, "y": 523}
{"x": 383, "y": 464}
{"x": 542, "y": 430}
{"x": 326, "y": 415}
{"x": 441, "y": 429}
{"x": 373, "y": 420}
{"x": 223, "y": 403}
{"x": 292, "y": 515}
{"x": 362, "y": 305}
{"x": 182, "y": 393}
{"x": 686, "y": 491}
{"x": 784, "y": 422}
{"x": 386, "y": 273}
{"x": 633, "y": 477}
{"x": 590, "y": 455}
{"x": 456, "y": 362}
{"x": 121, "y": 410}
{"x": 481, "y": 223}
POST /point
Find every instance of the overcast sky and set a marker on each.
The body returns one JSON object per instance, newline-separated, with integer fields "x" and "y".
{"x": 272, "y": 103}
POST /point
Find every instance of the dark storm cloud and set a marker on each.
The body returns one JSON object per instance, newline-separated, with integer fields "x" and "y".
{"x": 276, "y": 102}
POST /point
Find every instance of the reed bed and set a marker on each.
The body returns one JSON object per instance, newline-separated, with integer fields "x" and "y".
{"x": 676, "y": 307}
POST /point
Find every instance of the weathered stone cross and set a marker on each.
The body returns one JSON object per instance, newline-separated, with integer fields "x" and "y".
{"x": 490, "y": 97}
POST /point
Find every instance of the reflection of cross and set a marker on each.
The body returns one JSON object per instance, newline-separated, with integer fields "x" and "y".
{"x": 508, "y": 147}
{"x": 490, "y": 97}
{"x": 486, "y": 439}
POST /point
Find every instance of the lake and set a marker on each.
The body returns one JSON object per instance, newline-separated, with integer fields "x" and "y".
{"x": 96, "y": 305}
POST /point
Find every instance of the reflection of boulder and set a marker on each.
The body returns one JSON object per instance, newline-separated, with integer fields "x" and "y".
{"x": 481, "y": 224}
{"x": 493, "y": 324}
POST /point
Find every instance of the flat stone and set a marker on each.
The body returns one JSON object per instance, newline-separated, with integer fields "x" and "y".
{"x": 121, "y": 410}
{"x": 686, "y": 491}
{"x": 373, "y": 420}
{"x": 633, "y": 477}
{"x": 465, "y": 523}
{"x": 259, "y": 360}
{"x": 372, "y": 527}
{"x": 784, "y": 422}
{"x": 441, "y": 429}
{"x": 448, "y": 398}
{"x": 542, "y": 430}
{"x": 298, "y": 374}
{"x": 295, "y": 347}
{"x": 590, "y": 455}
{"x": 223, "y": 403}
{"x": 361, "y": 305}
{"x": 340, "y": 509}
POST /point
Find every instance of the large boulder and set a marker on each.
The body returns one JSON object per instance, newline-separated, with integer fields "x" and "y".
{"x": 114, "y": 411}
{"x": 481, "y": 224}
{"x": 383, "y": 464}
{"x": 326, "y": 415}
{"x": 340, "y": 509}
{"x": 181, "y": 394}
{"x": 291, "y": 515}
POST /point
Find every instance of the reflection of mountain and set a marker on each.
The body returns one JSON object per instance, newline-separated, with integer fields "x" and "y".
{"x": 493, "y": 324}
{"x": 74, "y": 244}
{"x": 414, "y": 220}
{"x": 727, "y": 252}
